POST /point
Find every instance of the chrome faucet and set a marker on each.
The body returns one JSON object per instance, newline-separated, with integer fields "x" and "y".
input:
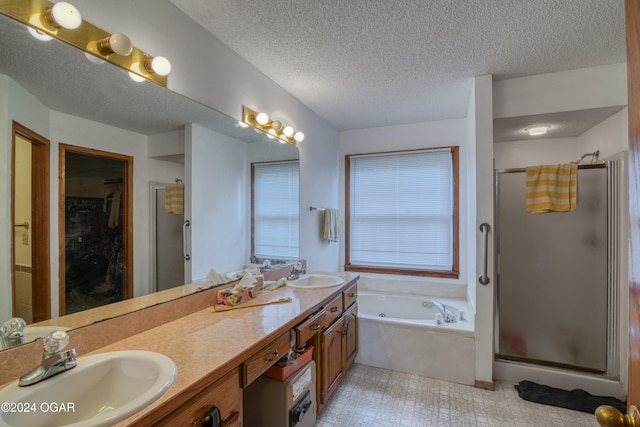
{"x": 54, "y": 360}
{"x": 296, "y": 270}
{"x": 448, "y": 316}
{"x": 12, "y": 332}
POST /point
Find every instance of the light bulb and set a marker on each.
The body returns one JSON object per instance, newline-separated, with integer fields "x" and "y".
{"x": 288, "y": 131}
{"x": 160, "y": 65}
{"x": 66, "y": 15}
{"x": 40, "y": 35}
{"x": 117, "y": 43}
{"x": 276, "y": 124}
{"x": 136, "y": 78}
{"x": 271, "y": 134}
{"x": 262, "y": 118}
{"x": 298, "y": 136}
{"x": 537, "y": 130}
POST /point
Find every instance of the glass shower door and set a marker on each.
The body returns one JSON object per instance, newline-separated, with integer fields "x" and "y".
{"x": 553, "y": 276}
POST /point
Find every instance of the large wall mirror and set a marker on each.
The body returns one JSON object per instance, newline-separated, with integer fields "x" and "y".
{"x": 57, "y": 92}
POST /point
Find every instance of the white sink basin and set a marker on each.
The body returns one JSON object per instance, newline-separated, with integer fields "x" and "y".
{"x": 100, "y": 391}
{"x": 315, "y": 281}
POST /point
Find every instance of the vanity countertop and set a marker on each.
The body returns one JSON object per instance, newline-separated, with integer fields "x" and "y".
{"x": 207, "y": 344}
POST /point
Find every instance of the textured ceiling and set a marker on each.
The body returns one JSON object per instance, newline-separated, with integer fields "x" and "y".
{"x": 368, "y": 63}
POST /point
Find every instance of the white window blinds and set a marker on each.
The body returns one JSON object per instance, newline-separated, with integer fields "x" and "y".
{"x": 401, "y": 210}
{"x": 276, "y": 209}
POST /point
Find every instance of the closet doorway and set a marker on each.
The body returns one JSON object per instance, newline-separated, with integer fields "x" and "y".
{"x": 96, "y": 228}
{"x": 30, "y": 265}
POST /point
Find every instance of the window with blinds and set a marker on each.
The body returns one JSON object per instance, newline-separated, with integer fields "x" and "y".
{"x": 275, "y": 210}
{"x": 402, "y": 212}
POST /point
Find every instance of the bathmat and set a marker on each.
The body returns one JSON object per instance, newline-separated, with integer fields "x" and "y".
{"x": 578, "y": 400}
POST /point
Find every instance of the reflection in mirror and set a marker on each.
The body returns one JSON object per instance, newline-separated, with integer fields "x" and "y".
{"x": 95, "y": 215}
{"x": 52, "y": 89}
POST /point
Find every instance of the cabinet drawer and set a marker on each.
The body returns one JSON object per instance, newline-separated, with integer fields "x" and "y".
{"x": 308, "y": 328}
{"x": 265, "y": 358}
{"x": 350, "y": 295}
{"x": 333, "y": 310}
{"x": 225, "y": 394}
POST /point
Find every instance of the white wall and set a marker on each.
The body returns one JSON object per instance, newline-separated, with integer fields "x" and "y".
{"x": 484, "y": 301}
{"x": 579, "y": 89}
{"x": 19, "y": 105}
{"x": 610, "y": 136}
{"x": 406, "y": 137}
{"x": 215, "y": 201}
{"x": 208, "y": 71}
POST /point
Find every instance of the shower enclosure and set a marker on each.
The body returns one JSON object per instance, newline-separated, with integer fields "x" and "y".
{"x": 167, "y": 242}
{"x": 557, "y": 275}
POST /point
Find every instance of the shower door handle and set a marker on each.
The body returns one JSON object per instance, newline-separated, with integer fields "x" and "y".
{"x": 484, "y": 228}
{"x": 186, "y": 224}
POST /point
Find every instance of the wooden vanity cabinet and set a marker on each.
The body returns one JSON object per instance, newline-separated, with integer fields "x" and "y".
{"x": 338, "y": 343}
{"x": 225, "y": 394}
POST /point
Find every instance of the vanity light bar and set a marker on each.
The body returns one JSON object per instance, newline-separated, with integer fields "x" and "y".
{"x": 37, "y": 14}
{"x": 273, "y": 128}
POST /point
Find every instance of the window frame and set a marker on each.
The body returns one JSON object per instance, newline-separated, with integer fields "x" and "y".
{"x": 253, "y": 256}
{"x": 454, "y": 273}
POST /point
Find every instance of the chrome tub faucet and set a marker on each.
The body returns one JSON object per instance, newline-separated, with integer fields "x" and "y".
{"x": 54, "y": 360}
{"x": 447, "y": 315}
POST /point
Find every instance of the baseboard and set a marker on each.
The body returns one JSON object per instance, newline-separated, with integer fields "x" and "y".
{"x": 484, "y": 385}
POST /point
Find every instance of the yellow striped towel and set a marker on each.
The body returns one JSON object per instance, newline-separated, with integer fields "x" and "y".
{"x": 174, "y": 199}
{"x": 552, "y": 188}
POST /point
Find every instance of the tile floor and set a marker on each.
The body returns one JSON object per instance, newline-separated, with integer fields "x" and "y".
{"x": 370, "y": 396}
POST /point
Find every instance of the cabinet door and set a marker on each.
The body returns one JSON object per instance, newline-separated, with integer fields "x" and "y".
{"x": 332, "y": 366}
{"x": 225, "y": 394}
{"x": 350, "y": 335}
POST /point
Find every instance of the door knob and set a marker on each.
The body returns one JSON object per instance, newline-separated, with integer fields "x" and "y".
{"x": 608, "y": 416}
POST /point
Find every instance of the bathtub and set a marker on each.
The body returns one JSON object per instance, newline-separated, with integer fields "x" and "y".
{"x": 400, "y": 332}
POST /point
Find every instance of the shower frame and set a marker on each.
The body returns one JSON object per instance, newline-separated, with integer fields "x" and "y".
{"x": 613, "y": 267}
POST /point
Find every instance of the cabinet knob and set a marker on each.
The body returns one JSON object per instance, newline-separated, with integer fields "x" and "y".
{"x": 316, "y": 327}
{"x": 334, "y": 309}
{"x": 272, "y": 358}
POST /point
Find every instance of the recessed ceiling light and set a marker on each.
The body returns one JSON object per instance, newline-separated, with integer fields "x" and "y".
{"x": 537, "y": 130}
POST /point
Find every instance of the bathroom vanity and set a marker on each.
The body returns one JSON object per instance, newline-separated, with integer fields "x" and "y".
{"x": 325, "y": 318}
{"x": 218, "y": 354}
